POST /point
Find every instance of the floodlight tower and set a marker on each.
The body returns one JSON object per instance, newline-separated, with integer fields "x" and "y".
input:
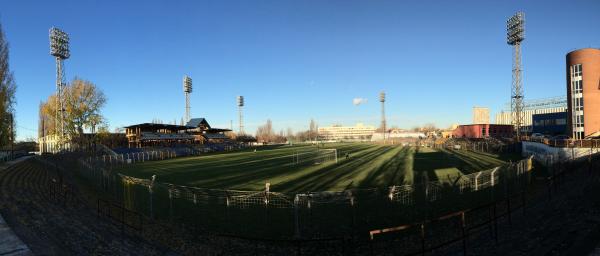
{"x": 515, "y": 34}
{"x": 59, "y": 48}
{"x": 382, "y": 100}
{"x": 187, "y": 89}
{"x": 240, "y": 103}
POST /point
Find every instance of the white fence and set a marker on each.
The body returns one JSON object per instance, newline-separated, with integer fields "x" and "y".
{"x": 548, "y": 155}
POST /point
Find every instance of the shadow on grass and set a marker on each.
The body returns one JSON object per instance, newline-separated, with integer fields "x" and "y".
{"x": 326, "y": 177}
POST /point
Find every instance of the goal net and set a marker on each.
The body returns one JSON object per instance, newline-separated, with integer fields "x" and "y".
{"x": 314, "y": 157}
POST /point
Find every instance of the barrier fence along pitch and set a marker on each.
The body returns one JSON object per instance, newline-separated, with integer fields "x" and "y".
{"x": 500, "y": 183}
{"x": 305, "y": 213}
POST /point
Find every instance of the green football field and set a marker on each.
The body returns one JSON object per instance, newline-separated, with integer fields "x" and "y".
{"x": 368, "y": 165}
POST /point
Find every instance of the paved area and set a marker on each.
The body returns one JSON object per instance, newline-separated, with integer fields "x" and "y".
{"x": 10, "y": 244}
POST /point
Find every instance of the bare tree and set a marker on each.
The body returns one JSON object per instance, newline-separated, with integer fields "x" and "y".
{"x": 290, "y": 134}
{"x": 265, "y": 132}
{"x": 429, "y": 127}
{"x": 8, "y": 88}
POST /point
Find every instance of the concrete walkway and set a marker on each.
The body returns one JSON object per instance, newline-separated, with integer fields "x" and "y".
{"x": 10, "y": 244}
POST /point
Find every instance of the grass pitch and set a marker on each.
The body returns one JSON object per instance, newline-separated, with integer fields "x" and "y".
{"x": 369, "y": 165}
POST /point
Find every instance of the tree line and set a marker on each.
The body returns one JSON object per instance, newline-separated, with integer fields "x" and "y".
{"x": 266, "y": 134}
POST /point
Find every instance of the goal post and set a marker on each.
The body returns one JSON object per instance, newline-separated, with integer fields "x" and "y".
{"x": 334, "y": 152}
{"x": 315, "y": 156}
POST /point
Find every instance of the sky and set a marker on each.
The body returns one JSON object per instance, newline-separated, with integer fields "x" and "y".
{"x": 294, "y": 60}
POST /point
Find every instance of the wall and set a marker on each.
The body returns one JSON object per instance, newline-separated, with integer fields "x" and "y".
{"x": 550, "y": 123}
{"x": 546, "y": 154}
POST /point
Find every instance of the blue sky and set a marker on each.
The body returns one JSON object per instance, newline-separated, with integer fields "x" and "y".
{"x": 294, "y": 60}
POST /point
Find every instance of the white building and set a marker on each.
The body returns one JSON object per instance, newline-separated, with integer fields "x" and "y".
{"x": 532, "y": 107}
{"x": 505, "y": 117}
{"x": 398, "y": 134}
{"x": 51, "y": 144}
{"x": 359, "y": 132}
{"x": 481, "y": 115}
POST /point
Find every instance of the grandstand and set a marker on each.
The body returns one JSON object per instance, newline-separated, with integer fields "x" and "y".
{"x": 149, "y": 134}
{"x": 196, "y": 131}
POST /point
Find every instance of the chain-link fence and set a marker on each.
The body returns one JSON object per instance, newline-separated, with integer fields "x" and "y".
{"x": 116, "y": 160}
{"x": 271, "y": 214}
{"x": 307, "y": 157}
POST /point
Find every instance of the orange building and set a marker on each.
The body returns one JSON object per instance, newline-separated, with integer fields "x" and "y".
{"x": 583, "y": 92}
{"x": 477, "y": 131}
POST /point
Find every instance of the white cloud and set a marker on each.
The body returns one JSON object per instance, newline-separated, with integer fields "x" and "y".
{"x": 359, "y": 101}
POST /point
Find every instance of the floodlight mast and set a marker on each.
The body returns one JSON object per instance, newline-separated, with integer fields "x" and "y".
{"x": 240, "y": 104}
{"x": 383, "y": 122}
{"x": 59, "y": 48}
{"x": 187, "y": 90}
{"x": 515, "y": 34}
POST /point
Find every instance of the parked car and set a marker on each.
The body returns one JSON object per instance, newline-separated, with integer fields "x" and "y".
{"x": 561, "y": 137}
{"x": 559, "y": 141}
{"x": 537, "y": 136}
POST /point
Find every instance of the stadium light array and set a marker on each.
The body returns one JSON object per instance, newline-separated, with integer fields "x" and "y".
{"x": 515, "y": 28}
{"x": 240, "y": 101}
{"x": 515, "y": 34}
{"x": 187, "y": 84}
{"x": 59, "y": 43}
{"x": 59, "y": 48}
{"x": 383, "y": 122}
{"x": 240, "y": 104}
{"x": 187, "y": 89}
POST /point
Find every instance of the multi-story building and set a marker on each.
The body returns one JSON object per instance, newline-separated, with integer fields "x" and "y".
{"x": 534, "y": 107}
{"x": 397, "y": 134}
{"x": 346, "y": 133}
{"x": 550, "y": 123}
{"x": 481, "y": 115}
{"x": 583, "y": 92}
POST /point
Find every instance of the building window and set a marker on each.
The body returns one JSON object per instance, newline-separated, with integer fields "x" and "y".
{"x": 577, "y": 70}
{"x": 577, "y": 100}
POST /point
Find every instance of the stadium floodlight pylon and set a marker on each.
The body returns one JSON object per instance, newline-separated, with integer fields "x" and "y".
{"x": 59, "y": 48}
{"x": 187, "y": 90}
{"x": 240, "y": 104}
{"x": 383, "y": 122}
{"x": 515, "y": 34}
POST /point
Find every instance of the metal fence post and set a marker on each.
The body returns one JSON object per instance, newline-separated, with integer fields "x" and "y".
{"x": 495, "y": 224}
{"x": 150, "y": 192}
{"x": 464, "y": 232}
{"x": 170, "y": 205}
{"x": 296, "y": 218}
{"x": 524, "y": 201}
{"x": 508, "y": 209}
{"x": 422, "y": 238}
